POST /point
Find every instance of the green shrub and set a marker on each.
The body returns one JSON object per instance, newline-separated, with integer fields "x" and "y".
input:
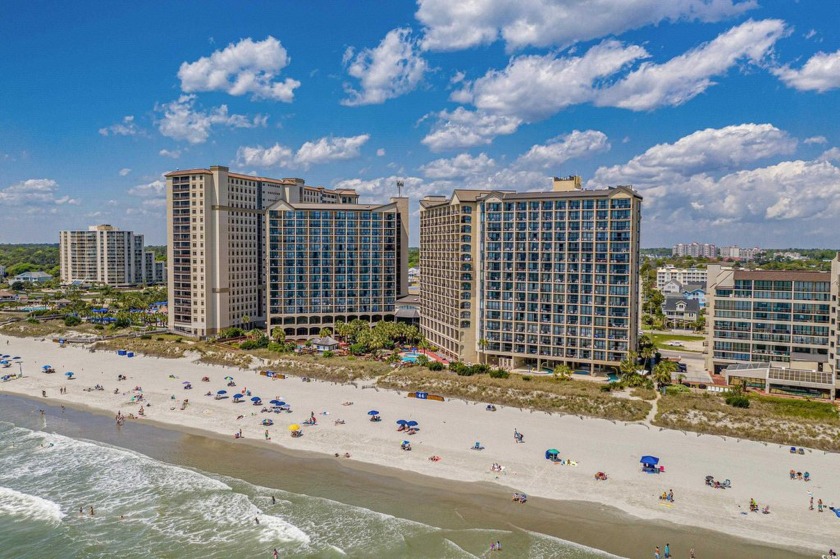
{"x": 676, "y": 389}
{"x": 358, "y": 349}
{"x": 98, "y": 327}
{"x": 122, "y": 322}
{"x": 422, "y": 360}
{"x": 328, "y": 353}
{"x": 526, "y": 378}
{"x": 145, "y": 337}
{"x": 72, "y": 320}
{"x": 32, "y": 320}
{"x": 159, "y": 339}
{"x": 738, "y": 401}
{"x": 499, "y": 373}
{"x": 606, "y": 387}
{"x": 277, "y": 348}
{"x": 435, "y": 366}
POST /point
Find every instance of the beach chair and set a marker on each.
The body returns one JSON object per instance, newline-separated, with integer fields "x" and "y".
{"x": 801, "y": 450}
{"x": 793, "y": 450}
{"x": 477, "y": 446}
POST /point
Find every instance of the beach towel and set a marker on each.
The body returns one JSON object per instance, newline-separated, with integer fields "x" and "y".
{"x": 836, "y": 512}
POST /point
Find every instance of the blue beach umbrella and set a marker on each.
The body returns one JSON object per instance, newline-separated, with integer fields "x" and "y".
{"x": 222, "y": 392}
{"x": 186, "y": 382}
{"x": 68, "y": 374}
{"x": 238, "y": 396}
{"x": 401, "y": 422}
{"x": 15, "y": 357}
{"x": 412, "y": 424}
{"x": 256, "y": 399}
{"x": 228, "y": 378}
{"x": 45, "y": 367}
{"x": 373, "y": 412}
{"x": 277, "y": 402}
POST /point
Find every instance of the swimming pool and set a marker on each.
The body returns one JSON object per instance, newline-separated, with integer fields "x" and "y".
{"x": 410, "y": 357}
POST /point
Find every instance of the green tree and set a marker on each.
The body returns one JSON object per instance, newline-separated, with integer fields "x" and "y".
{"x": 662, "y": 372}
{"x": 325, "y": 333}
{"x": 628, "y": 365}
{"x": 278, "y": 334}
{"x": 562, "y": 372}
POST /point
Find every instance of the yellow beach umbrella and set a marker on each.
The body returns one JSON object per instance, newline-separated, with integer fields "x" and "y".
{"x": 294, "y": 427}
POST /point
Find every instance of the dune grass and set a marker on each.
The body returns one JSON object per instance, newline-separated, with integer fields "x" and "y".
{"x": 769, "y": 419}
{"x": 538, "y": 393}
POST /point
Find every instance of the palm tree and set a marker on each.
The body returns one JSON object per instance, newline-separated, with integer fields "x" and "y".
{"x": 245, "y": 320}
{"x": 628, "y": 365}
{"x": 482, "y": 345}
{"x": 325, "y": 333}
{"x": 278, "y": 334}
{"x": 662, "y": 372}
{"x": 562, "y": 372}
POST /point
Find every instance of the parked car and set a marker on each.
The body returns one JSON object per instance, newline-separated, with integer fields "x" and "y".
{"x": 675, "y": 344}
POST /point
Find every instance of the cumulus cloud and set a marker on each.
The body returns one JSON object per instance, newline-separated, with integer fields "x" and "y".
{"x": 461, "y": 165}
{"x": 35, "y": 196}
{"x": 452, "y": 25}
{"x": 820, "y": 73}
{"x": 245, "y": 67}
{"x": 686, "y": 76}
{"x": 535, "y": 87}
{"x": 182, "y": 121}
{"x": 558, "y": 150}
{"x": 125, "y": 171}
{"x": 126, "y": 127}
{"x": 315, "y": 152}
{"x": 815, "y": 140}
{"x": 154, "y": 189}
{"x": 330, "y": 149}
{"x": 171, "y": 153}
{"x": 389, "y": 70}
{"x": 463, "y": 128}
{"x": 258, "y": 156}
{"x": 704, "y": 151}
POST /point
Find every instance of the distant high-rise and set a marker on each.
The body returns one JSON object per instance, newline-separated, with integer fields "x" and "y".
{"x": 696, "y": 250}
{"x": 532, "y": 279}
{"x": 105, "y": 255}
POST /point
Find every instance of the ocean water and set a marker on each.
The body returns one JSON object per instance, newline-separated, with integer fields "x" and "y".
{"x": 148, "y": 508}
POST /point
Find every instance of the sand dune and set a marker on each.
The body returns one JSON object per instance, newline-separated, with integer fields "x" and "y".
{"x": 449, "y": 430}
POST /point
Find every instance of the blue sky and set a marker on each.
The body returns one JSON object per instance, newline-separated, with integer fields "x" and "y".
{"x": 722, "y": 113}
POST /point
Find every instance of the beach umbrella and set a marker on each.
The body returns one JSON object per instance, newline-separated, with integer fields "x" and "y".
{"x": 187, "y": 382}
{"x": 412, "y": 424}
{"x": 294, "y": 427}
{"x": 228, "y": 378}
{"x": 277, "y": 402}
{"x": 651, "y": 460}
{"x": 238, "y": 396}
{"x": 221, "y": 392}
{"x": 373, "y": 412}
{"x": 401, "y": 422}
{"x": 256, "y": 399}
{"x": 68, "y": 374}
{"x": 16, "y": 357}
{"x": 45, "y": 367}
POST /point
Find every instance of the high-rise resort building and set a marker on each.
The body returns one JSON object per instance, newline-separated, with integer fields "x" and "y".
{"x": 107, "y": 256}
{"x": 330, "y": 262}
{"x": 532, "y": 279}
{"x": 217, "y": 257}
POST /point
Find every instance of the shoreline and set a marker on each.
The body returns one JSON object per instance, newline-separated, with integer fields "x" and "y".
{"x": 374, "y": 446}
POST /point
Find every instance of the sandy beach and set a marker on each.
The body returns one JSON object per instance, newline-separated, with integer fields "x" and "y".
{"x": 449, "y": 430}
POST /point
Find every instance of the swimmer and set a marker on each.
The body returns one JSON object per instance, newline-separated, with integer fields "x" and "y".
{"x": 91, "y": 511}
{"x": 257, "y": 520}
{"x": 273, "y": 500}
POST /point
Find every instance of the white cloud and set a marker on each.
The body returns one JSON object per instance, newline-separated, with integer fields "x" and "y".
{"x": 815, "y": 140}
{"x": 127, "y": 127}
{"x": 380, "y": 152}
{"x": 821, "y": 73}
{"x": 462, "y": 128}
{"x": 125, "y": 171}
{"x": 330, "y": 149}
{"x": 173, "y": 153}
{"x": 832, "y": 154}
{"x": 452, "y": 25}
{"x": 389, "y": 70}
{"x": 316, "y": 152}
{"x": 242, "y": 68}
{"x": 558, "y": 150}
{"x": 258, "y": 156}
{"x": 379, "y": 190}
{"x": 182, "y": 122}
{"x": 461, "y": 165}
{"x": 34, "y": 196}
{"x": 686, "y": 76}
{"x": 534, "y": 87}
{"x": 154, "y": 189}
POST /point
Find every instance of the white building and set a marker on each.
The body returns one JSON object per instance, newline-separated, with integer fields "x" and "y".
{"x": 696, "y": 250}
{"x": 735, "y": 252}
{"x": 105, "y": 255}
{"x": 681, "y": 275}
{"x": 32, "y": 277}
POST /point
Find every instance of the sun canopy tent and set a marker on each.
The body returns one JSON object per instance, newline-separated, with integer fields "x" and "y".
{"x": 650, "y": 464}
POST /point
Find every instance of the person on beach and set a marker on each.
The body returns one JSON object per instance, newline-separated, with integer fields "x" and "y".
{"x": 656, "y": 553}
{"x": 819, "y": 505}
{"x": 266, "y": 435}
{"x": 667, "y": 551}
{"x": 811, "y": 505}
{"x": 691, "y": 554}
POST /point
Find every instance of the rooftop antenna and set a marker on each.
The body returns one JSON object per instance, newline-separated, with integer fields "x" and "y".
{"x": 400, "y": 185}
